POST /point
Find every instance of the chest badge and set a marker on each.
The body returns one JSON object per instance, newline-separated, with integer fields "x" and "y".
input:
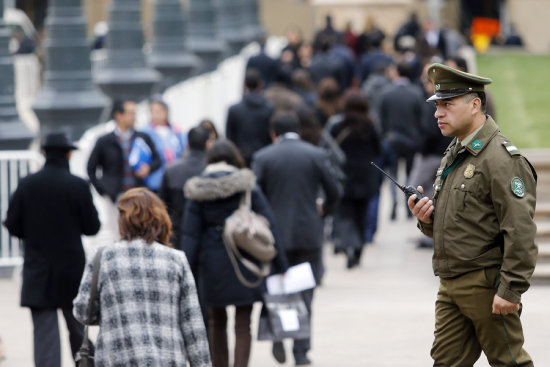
{"x": 517, "y": 186}
{"x": 477, "y": 144}
{"x": 469, "y": 171}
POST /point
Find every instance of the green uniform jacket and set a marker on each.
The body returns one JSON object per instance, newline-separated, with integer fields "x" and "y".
{"x": 484, "y": 210}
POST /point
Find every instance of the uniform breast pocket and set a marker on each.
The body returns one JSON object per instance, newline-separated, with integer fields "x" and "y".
{"x": 466, "y": 194}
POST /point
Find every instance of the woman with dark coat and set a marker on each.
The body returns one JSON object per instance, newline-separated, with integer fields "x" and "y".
{"x": 212, "y": 197}
{"x": 358, "y": 139}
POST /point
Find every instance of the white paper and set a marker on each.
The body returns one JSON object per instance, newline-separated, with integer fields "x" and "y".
{"x": 297, "y": 278}
{"x": 289, "y": 320}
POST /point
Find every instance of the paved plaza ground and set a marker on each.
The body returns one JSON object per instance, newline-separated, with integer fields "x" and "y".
{"x": 378, "y": 315}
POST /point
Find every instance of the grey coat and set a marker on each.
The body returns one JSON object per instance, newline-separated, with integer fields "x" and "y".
{"x": 149, "y": 313}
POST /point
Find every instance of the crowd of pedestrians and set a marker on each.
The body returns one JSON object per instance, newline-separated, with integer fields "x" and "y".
{"x": 300, "y": 143}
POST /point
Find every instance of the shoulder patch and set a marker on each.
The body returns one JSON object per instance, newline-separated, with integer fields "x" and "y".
{"x": 510, "y": 148}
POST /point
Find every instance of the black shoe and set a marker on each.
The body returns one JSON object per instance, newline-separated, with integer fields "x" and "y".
{"x": 278, "y": 351}
{"x": 353, "y": 259}
{"x": 302, "y": 360}
{"x": 425, "y": 244}
{"x": 393, "y": 212}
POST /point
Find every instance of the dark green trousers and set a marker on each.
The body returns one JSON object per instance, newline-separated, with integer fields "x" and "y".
{"x": 465, "y": 325}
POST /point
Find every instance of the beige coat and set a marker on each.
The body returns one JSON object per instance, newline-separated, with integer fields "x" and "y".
{"x": 484, "y": 210}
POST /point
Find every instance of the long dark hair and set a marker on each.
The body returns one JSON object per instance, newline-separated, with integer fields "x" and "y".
{"x": 310, "y": 130}
{"x": 224, "y": 151}
{"x": 356, "y": 115}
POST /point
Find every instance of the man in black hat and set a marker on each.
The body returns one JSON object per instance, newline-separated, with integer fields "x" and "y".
{"x": 483, "y": 229}
{"x": 49, "y": 211}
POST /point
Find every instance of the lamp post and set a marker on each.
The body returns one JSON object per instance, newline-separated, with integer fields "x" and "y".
{"x": 68, "y": 99}
{"x": 125, "y": 74}
{"x": 14, "y": 134}
{"x": 169, "y": 54}
{"x": 203, "y": 36}
{"x": 229, "y": 23}
{"x": 251, "y": 20}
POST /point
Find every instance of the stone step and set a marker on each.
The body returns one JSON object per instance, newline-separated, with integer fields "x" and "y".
{"x": 543, "y": 210}
{"x": 541, "y": 275}
{"x": 544, "y": 253}
{"x": 543, "y": 231}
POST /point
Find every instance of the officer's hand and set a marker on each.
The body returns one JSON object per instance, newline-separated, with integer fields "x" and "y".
{"x": 503, "y": 307}
{"x": 423, "y": 209}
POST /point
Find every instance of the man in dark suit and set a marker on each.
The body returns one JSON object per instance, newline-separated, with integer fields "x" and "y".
{"x": 401, "y": 107}
{"x": 291, "y": 172}
{"x": 49, "y": 211}
{"x": 111, "y": 155}
{"x": 247, "y": 123}
{"x": 177, "y": 174}
{"x": 109, "y": 167}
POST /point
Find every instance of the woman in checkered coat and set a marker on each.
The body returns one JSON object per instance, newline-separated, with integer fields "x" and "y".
{"x": 148, "y": 312}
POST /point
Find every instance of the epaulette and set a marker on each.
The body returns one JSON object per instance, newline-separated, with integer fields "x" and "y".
{"x": 510, "y": 148}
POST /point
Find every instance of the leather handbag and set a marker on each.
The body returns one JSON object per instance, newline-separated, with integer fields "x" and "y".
{"x": 250, "y": 232}
{"x": 85, "y": 355}
{"x": 284, "y": 316}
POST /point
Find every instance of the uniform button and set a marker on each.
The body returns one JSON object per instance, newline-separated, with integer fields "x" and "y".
{"x": 462, "y": 186}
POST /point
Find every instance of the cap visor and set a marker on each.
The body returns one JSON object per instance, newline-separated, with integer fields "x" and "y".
{"x": 439, "y": 96}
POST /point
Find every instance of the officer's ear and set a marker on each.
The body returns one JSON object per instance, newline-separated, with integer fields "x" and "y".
{"x": 475, "y": 103}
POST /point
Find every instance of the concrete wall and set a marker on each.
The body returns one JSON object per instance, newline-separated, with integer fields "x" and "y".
{"x": 531, "y": 19}
{"x": 529, "y": 16}
{"x": 277, "y": 15}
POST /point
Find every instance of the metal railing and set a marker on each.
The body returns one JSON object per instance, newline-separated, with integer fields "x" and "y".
{"x": 14, "y": 165}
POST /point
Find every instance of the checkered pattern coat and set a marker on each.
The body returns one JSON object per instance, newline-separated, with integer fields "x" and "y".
{"x": 149, "y": 313}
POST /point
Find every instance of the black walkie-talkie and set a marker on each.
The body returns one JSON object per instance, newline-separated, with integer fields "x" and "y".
{"x": 408, "y": 190}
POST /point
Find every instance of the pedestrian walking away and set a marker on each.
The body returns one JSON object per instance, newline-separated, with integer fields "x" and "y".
{"x": 50, "y": 210}
{"x": 211, "y": 198}
{"x": 483, "y": 229}
{"x": 177, "y": 174}
{"x": 147, "y": 307}
{"x": 291, "y": 173}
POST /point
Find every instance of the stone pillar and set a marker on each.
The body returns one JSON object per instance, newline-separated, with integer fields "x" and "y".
{"x": 14, "y": 134}
{"x": 125, "y": 74}
{"x": 169, "y": 54}
{"x": 68, "y": 99}
{"x": 251, "y": 20}
{"x": 203, "y": 36}
{"x": 230, "y": 25}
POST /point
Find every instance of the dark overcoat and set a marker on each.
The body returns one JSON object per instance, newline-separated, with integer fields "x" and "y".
{"x": 175, "y": 176}
{"x": 211, "y": 198}
{"x": 290, "y": 173}
{"x": 248, "y": 124}
{"x": 49, "y": 211}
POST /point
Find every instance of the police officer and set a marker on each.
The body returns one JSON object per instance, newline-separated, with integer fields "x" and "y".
{"x": 483, "y": 229}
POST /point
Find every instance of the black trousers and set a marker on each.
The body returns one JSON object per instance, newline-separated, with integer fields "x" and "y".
{"x": 350, "y": 223}
{"x": 295, "y": 257}
{"x": 47, "y": 347}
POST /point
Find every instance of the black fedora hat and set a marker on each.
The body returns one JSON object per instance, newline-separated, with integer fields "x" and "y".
{"x": 57, "y": 140}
